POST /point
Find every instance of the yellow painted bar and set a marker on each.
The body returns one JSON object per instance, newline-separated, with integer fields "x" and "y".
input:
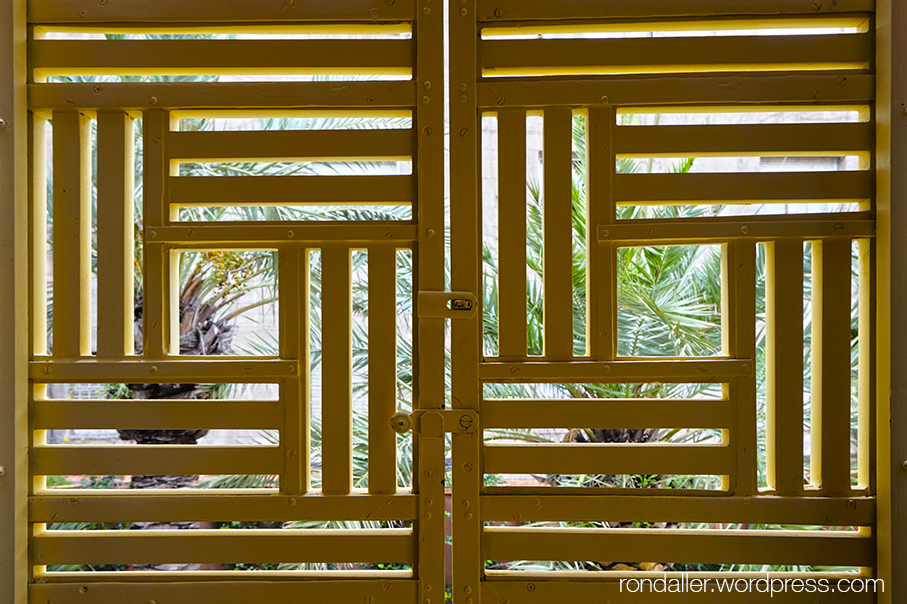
{"x": 382, "y": 369}
{"x": 744, "y": 392}
{"x": 722, "y": 229}
{"x": 755, "y": 139}
{"x": 601, "y": 212}
{"x": 163, "y": 12}
{"x": 15, "y": 148}
{"x": 666, "y": 55}
{"x": 294, "y": 308}
{"x": 676, "y": 370}
{"x": 158, "y": 324}
{"x": 592, "y": 9}
{"x": 348, "y": 587}
{"x": 743, "y": 187}
{"x": 172, "y": 370}
{"x": 704, "y": 546}
{"x": 648, "y": 508}
{"x": 558, "y": 234}
{"x": 224, "y": 95}
{"x": 210, "y": 57}
{"x": 223, "y": 545}
{"x": 606, "y": 413}
{"x": 72, "y": 234}
{"x": 784, "y": 366}
{"x": 575, "y": 589}
{"x": 162, "y": 460}
{"x": 115, "y": 239}
{"x": 430, "y": 336}
{"x": 676, "y": 90}
{"x": 242, "y": 235}
{"x": 199, "y": 506}
{"x": 111, "y": 414}
{"x": 608, "y": 459}
{"x": 466, "y": 260}
{"x": 336, "y": 358}
{"x": 289, "y": 190}
{"x": 38, "y": 219}
{"x": 512, "y": 233}
{"x": 831, "y": 375}
{"x": 298, "y": 145}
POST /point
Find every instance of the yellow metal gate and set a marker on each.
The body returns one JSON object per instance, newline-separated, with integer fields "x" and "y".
{"x": 586, "y": 66}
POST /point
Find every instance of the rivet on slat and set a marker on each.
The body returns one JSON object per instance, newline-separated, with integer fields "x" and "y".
{"x": 153, "y": 369}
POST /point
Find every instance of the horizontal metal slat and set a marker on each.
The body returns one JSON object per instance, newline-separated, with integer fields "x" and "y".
{"x": 639, "y": 232}
{"x": 174, "y": 370}
{"x": 819, "y": 548}
{"x": 819, "y": 511}
{"x": 291, "y": 144}
{"x": 221, "y": 95}
{"x": 507, "y": 10}
{"x": 144, "y": 505}
{"x": 223, "y": 545}
{"x": 805, "y": 87}
{"x": 157, "y": 460}
{"x": 260, "y": 586}
{"x": 646, "y": 370}
{"x": 607, "y": 413}
{"x": 291, "y": 190}
{"x": 644, "y": 55}
{"x": 774, "y": 187}
{"x": 136, "y": 414}
{"x": 246, "y": 235}
{"x": 764, "y": 139}
{"x": 608, "y": 459}
{"x": 164, "y": 11}
{"x": 209, "y": 57}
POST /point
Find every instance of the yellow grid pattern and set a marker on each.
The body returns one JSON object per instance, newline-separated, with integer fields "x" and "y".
{"x": 508, "y": 78}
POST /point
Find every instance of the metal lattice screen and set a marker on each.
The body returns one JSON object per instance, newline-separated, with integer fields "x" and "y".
{"x": 736, "y": 141}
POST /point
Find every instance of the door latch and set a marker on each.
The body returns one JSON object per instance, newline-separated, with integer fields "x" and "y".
{"x": 447, "y": 305}
{"x": 433, "y": 423}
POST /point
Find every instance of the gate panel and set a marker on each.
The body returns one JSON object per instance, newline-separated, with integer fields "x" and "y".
{"x": 108, "y": 84}
{"x": 587, "y": 72}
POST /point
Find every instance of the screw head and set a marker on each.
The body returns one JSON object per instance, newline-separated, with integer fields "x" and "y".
{"x": 499, "y": 12}
{"x": 744, "y": 230}
{"x": 153, "y": 369}
{"x": 427, "y": 131}
{"x": 817, "y": 5}
{"x": 2, "y": 123}
{"x": 530, "y": 587}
